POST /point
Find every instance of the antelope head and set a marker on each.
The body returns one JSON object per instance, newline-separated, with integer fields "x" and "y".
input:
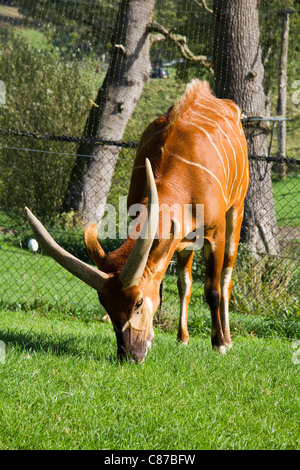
{"x": 129, "y": 296}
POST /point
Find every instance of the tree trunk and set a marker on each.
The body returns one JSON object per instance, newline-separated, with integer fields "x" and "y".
{"x": 282, "y": 84}
{"x": 239, "y": 75}
{"x": 128, "y": 71}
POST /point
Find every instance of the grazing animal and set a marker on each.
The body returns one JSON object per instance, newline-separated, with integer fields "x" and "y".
{"x": 195, "y": 154}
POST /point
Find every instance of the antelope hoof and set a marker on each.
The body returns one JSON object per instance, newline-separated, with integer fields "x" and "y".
{"x": 183, "y": 339}
{"x": 220, "y": 349}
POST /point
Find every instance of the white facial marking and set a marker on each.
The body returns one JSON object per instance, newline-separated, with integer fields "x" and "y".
{"x": 127, "y": 324}
{"x": 149, "y": 304}
{"x": 150, "y": 340}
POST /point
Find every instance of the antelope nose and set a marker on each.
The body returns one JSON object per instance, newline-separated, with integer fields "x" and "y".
{"x": 132, "y": 356}
{"x": 136, "y": 357}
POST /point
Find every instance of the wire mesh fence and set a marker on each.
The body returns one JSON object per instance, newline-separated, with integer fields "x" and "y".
{"x": 36, "y": 172}
{"x": 54, "y": 58}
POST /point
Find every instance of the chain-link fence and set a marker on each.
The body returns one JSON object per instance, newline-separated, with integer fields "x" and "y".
{"x": 55, "y": 56}
{"x": 36, "y": 172}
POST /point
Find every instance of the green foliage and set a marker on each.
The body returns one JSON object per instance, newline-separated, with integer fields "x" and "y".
{"x": 48, "y": 90}
{"x": 157, "y": 97}
{"x": 43, "y": 92}
{"x": 270, "y": 32}
{"x": 195, "y": 24}
{"x": 187, "y": 72}
{"x": 47, "y": 95}
{"x": 76, "y": 28}
{"x": 266, "y": 287}
{"x": 264, "y": 298}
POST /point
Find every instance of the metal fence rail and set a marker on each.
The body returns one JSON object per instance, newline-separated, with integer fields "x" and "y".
{"x": 35, "y": 171}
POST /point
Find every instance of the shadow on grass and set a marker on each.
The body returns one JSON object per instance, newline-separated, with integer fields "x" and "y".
{"x": 60, "y": 344}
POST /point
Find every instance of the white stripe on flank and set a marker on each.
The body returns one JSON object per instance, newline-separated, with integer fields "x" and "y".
{"x": 218, "y": 102}
{"x": 238, "y": 122}
{"x": 223, "y": 117}
{"x": 202, "y": 168}
{"x": 228, "y": 173}
{"x": 211, "y": 141}
{"x": 226, "y": 136}
{"x": 244, "y": 159}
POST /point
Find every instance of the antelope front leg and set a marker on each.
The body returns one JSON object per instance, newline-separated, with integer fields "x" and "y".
{"x": 214, "y": 255}
{"x": 226, "y": 283}
{"x": 234, "y": 219}
{"x": 184, "y": 283}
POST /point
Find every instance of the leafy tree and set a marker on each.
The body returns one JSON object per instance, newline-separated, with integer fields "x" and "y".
{"x": 75, "y": 26}
{"x": 270, "y": 38}
{"x": 27, "y": 177}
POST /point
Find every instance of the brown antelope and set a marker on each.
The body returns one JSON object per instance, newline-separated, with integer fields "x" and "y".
{"x": 195, "y": 154}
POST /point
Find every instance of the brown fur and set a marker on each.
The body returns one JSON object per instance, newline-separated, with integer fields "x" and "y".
{"x": 198, "y": 153}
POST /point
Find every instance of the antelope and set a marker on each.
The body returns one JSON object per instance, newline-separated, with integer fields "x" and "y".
{"x": 194, "y": 154}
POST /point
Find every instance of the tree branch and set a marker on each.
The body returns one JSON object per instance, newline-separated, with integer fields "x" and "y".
{"x": 204, "y": 4}
{"x": 180, "y": 42}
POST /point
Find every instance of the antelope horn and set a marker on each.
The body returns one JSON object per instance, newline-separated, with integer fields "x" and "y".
{"x": 91, "y": 276}
{"x": 133, "y": 269}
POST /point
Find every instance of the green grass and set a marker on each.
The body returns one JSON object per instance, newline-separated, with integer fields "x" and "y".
{"x": 41, "y": 284}
{"x": 287, "y": 200}
{"x": 62, "y": 388}
{"x": 34, "y": 38}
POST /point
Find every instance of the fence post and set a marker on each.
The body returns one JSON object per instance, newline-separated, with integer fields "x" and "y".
{"x": 282, "y": 85}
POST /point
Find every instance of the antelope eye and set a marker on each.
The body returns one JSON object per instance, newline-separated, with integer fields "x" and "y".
{"x": 139, "y": 303}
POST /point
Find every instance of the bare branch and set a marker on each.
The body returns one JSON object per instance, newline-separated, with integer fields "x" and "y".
{"x": 204, "y": 4}
{"x": 180, "y": 42}
{"x": 157, "y": 38}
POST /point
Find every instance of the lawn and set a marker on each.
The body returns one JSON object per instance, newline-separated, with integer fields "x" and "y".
{"x": 62, "y": 388}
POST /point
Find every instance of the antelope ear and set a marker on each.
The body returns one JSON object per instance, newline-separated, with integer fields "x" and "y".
{"x": 94, "y": 249}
